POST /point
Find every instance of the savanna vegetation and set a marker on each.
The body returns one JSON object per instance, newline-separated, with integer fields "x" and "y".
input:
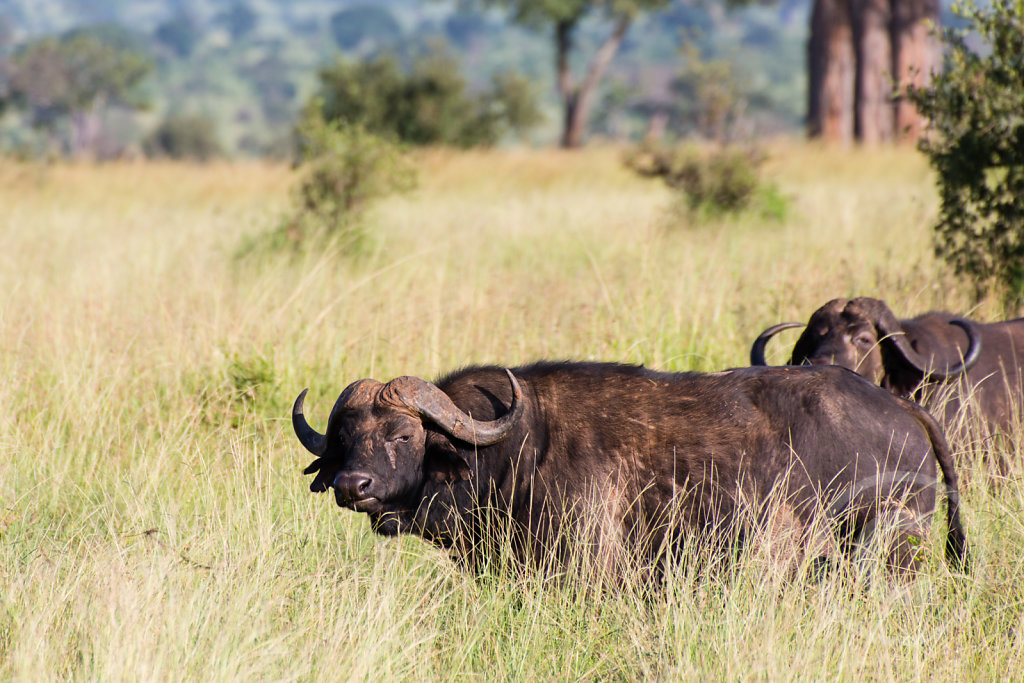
{"x": 246, "y": 69}
{"x": 155, "y": 523}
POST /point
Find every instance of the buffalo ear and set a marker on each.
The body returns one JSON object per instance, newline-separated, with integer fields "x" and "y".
{"x": 320, "y": 481}
{"x": 443, "y": 463}
{"x": 900, "y": 377}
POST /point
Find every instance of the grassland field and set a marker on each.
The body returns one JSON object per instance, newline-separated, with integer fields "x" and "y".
{"x": 154, "y": 522}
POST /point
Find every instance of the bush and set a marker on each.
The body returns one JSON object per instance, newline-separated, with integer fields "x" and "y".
{"x": 236, "y": 392}
{"x": 513, "y": 101}
{"x": 975, "y": 142}
{"x": 429, "y": 104}
{"x": 710, "y": 181}
{"x": 184, "y": 136}
{"x": 344, "y": 168}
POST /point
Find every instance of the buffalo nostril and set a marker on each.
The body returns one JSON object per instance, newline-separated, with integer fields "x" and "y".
{"x": 353, "y": 485}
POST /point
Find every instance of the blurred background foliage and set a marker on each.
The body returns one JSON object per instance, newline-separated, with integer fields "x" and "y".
{"x": 430, "y": 103}
{"x": 246, "y": 68}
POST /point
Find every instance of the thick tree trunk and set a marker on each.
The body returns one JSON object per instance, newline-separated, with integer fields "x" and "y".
{"x": 579, "y": 101}
{"x": 861, "y": 54}
{"x": 831, "y": 69}
{"x": 875, "y": 116}
{"x": 917, "y": 54}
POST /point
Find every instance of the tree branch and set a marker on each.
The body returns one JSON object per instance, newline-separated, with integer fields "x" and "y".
{"x": 578, "y": 105}
{"x": 605, "y": 53}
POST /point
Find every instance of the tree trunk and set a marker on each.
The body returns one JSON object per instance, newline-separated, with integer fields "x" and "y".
{"x": 83, "y": 133}
{"x": 579, "y": 101}
{"x": 563, "y": 46}
{"x": 830, "y": 67}
{"x": 875, "y": 116}
{"x": 917, "y": 54}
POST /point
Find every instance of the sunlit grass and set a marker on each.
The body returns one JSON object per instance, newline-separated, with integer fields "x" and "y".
{"x": 155, "y": 523}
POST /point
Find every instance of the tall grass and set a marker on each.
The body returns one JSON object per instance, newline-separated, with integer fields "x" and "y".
{"x": 154, "y": 521}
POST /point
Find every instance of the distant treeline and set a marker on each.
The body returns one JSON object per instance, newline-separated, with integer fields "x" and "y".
{"x": 233, "y": 77}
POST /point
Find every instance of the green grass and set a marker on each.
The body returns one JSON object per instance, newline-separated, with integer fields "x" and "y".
{"x": 154, "y": 521}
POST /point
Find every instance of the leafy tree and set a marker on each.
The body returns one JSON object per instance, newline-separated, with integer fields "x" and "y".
{"x": 513, "y": 98}
{"x": 565, "y": 16}
{"x": 113, "y": 35}
{"x": 427, "y": 105}
{"x": 344, "y": 169}
{"x": 711, "y": 95}
{"x": 75, "y": 77}
{"x": 351, "y": 27}
{"x": 975, "y": 142}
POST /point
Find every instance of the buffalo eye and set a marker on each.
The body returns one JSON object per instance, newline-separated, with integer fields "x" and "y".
{"x": 399, "y": 438}
{"x": 863, "y": 340}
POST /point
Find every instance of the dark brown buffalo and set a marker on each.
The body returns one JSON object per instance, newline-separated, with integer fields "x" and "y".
{"x": 665, "y": 457}
{"x": 916, "y": 357}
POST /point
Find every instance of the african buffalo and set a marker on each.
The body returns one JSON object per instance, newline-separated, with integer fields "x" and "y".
{"x": 914, "y": 357}
{"x": 666, "y": 456}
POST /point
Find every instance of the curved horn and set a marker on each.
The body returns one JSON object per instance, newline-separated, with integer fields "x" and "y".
{"x": 429, "y": 401}
{"x": 973, "y": 352}
{"x": 891, "y": 330}
{"x": 314, "y": 441}
{"x": 757, "y": 350}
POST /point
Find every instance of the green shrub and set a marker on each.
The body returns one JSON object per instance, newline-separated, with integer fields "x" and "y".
{"x": 237, "y": 391}
{"x": 184, "y": 136}
{"x": 343, "y": 170}
{"x": 975, "y": 143}
{"x": 710, "y": 95}
{"x": 429, "y": 104}
{"x": 710, "y": 181}
{"x": 249, "y": 376}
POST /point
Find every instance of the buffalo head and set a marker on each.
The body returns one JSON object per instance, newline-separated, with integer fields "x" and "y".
{"x": 863, "y": 335}
{"x": 376, "y": 442}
